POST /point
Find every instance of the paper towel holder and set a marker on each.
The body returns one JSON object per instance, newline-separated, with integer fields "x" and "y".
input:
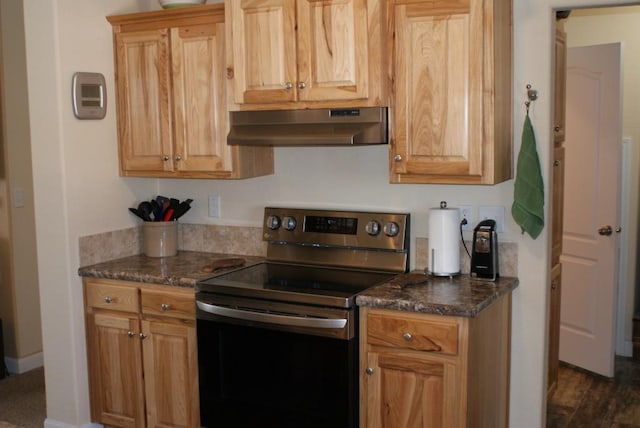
{"x": 444, "y": 246}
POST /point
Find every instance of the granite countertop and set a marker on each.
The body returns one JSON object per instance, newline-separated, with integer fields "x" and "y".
{"x": 417, "y": 292}
{"x": 182, "y": 270}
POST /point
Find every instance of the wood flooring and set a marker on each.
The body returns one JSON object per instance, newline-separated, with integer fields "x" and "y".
{"x": 583, "y": 399}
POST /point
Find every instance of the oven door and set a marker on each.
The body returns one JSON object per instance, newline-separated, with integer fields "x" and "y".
{"x": 269, "y": 364}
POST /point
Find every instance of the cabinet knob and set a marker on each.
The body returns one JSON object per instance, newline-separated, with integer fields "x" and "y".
{"x": 554, "y": 285}
{"x": 407, "y": 337}
{"x": 288, "y": 85}
{"x": 301, "y": 85}
{"x": 143, "y": 336}
{"x": 165, "y": 158}
{"x": 178, "y": 158}
{"x": 164, "y": 307}
{"x": 556, "y": 163}
{"x": 108, "y": 300}
{"x": 558, "y": 128}
{"x": 131, "y": 333}
{"x": 369, "y": 371}
{"x": 397, "y": 158}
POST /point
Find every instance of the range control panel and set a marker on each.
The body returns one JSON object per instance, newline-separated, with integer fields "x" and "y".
{"x": 359, "y": 229}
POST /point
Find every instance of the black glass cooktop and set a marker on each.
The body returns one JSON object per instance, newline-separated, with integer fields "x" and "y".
{"x": 295, "y": 283}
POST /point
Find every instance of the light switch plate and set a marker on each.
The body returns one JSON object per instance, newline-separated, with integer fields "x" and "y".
{"x": 493, "y": 212}
{"x": 214, "y": 206}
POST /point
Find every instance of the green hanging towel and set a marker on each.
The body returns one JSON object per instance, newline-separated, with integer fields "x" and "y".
{"x": 528, "y": 198}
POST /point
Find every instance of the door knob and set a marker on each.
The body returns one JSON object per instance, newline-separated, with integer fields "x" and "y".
{"x": 605, "y": 230}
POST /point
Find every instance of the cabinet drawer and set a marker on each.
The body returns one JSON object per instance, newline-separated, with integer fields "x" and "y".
{"x": 114, "y": 297}
{"x": 410, "y": 333}
{"x": 176, "y": 305}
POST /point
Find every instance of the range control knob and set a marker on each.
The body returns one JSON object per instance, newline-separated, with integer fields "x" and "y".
{"x": 273, "y": 222}
{"x": 391, "y": 229}
{"x": 372, "y": 228}
{"x": 289, "y": 223}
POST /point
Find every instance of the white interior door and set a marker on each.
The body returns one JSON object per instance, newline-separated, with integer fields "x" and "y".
{"x": 590, "y": 241}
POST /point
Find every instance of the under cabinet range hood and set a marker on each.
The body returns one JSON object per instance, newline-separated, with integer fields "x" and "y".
{"x": 317, "y": 127}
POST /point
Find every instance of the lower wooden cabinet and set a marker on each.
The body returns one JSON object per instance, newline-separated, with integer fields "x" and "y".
{"x": 554, "y": 328}
{"x": 420, "y": 370}
{"x": 142, "y": 354}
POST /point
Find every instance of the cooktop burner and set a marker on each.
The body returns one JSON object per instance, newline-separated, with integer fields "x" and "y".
{"x": 317, "y": 285}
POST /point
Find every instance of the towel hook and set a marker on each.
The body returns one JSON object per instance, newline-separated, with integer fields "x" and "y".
{"x": 532, "y": 95}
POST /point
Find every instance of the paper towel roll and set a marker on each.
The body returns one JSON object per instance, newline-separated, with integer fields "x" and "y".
{"x": 444, "y": 242}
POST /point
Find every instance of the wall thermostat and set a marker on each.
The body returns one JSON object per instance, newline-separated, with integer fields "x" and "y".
{"x": 89, "y": 95}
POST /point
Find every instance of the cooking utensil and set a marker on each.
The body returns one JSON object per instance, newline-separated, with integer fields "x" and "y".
{"x": 145, "y": 209}
{"x": 137, "y": 214}
{"x": 182, "y": 208}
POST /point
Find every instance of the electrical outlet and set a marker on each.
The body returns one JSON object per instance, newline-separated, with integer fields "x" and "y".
{"x": 494, "y": 212}
{"x": 466, "y": 211}
{"x": 214, "y": 206}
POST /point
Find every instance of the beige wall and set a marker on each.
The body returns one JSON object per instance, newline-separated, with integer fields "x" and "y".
{"x": 619, "y": 25}
{"x": 75, "y": 177}
{"x": 19, "y": 293}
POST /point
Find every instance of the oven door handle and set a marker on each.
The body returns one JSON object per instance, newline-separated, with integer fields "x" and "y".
{"x": 272, "y": 318}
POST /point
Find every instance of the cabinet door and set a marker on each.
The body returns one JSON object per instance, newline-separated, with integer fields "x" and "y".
{"x": 199, "y": 98}
{"x": 262, "y": 49}
{"x": 554, "y": 327}
{"x": 171, "y": 374}
{"x": 438, "y": 69}
{"x": 413, "y": 388}
{"x": 560, "y": 87}
{"x": 144, "y": 118}
{"x": 332, "y": 50}
{"x": 115, "y": 369}
{"x": 557, "y": 207}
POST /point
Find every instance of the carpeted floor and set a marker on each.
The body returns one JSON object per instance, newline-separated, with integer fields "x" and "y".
{"x": 22, "y": 400}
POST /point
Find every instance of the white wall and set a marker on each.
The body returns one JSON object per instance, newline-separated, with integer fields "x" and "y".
{"x": 78, "y": 192}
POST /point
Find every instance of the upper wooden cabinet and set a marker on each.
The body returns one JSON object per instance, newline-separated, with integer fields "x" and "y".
{"x": 304, "y": 53}
{"x": 451, "y": 95}
{"x": 171, "y": 103}
{"x": 560, "y": 84}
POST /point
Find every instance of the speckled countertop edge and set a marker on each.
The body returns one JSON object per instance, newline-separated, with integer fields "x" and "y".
{"x": 417, "y": 292}
{"x": 182, "y": 270}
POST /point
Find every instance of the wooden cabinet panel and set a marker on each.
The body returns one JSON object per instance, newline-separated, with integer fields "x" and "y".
{"x": 553, "y": 362}
{"x": 142, "y": 354}
{"x": 401, "y": 332}
{"x": 113, "y": 297}
{"x": 403, "y": 386}
{"x": 452, "y": 91}
{"x": 560, "y": 88}
{"x": 171, "y": 369}
{"x": 144, "y": 119}
{"x": 175, "y": 305}
{"x": 115, "y": 373}
{"x": 318, "y": 54}
{"x": 171, "y": 97}
{"x": 557, "y": 204}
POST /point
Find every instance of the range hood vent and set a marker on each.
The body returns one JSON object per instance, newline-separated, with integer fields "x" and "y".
{"x": 318, "y": 127}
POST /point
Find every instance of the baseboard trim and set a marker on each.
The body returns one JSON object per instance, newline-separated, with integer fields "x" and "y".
{"x": 50, "y": 423}
{"x": 25, "y": 364}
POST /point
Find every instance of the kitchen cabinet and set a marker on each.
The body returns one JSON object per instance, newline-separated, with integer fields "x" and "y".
{"x": 560, "y": 84}
{"x": 304, "y": 54}
{"x": 423, "y": 370}
{"x": 557, "y": 204}
{"x": 170, "y": 97}
{"x": 142, "y": 354}
{"x": 451, "y": 94}
{"x": 554, "y": 328}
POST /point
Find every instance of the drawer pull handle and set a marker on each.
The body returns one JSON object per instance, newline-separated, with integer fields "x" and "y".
{"x": 407, "y": 337}
{"x": 108, "y": 300}
{"x": 131, "y": 333}
{"x": 164, "y": 307}
{"x": 369, "y": 371}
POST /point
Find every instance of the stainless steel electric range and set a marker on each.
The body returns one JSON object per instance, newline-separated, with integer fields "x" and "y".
{"x": 278, "y": 341}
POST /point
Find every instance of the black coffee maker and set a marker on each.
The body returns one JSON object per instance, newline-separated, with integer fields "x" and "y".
{"x": 484, "y": 251}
